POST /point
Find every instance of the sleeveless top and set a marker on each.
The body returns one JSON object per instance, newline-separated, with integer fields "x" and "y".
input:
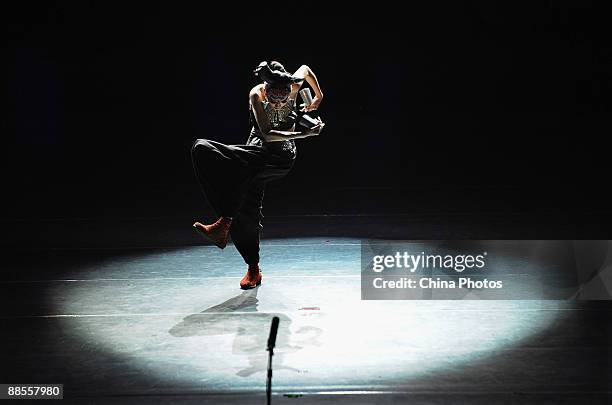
{"x": 282, "y": 119}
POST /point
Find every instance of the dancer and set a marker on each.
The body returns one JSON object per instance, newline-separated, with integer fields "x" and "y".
{"x": 233, "y": 177}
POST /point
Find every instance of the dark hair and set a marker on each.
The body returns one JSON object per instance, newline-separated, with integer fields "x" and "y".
{"x": 277, "y": 66}
{"x": 274, "y": 75}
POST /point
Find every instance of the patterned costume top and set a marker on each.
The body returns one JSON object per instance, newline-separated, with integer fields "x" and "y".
{"x": 282, "y": 119}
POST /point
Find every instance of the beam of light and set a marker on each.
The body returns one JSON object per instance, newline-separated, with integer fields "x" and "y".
{"x": 204, "y": 332}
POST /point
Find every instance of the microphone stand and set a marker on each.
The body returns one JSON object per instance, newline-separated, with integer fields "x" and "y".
{"x": 271, "y": 344}
{"x": 269, "y": 378}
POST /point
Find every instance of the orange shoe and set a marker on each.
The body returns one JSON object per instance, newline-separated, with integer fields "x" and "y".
{"x": 217, "y": 233}
{"x": 252, "y": 278}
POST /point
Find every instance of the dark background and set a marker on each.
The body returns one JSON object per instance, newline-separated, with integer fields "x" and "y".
{"x": 450, "y": 107}
{"x": 445, "y": 121}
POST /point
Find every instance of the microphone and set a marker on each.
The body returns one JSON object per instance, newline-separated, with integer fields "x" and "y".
{"x": 306, "y": 120}
{"x": 306, "y": 96}
{"x": 273, "y": 332}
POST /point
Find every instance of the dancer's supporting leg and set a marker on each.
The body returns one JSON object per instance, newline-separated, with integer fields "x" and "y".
{"x": 245, "y": 232}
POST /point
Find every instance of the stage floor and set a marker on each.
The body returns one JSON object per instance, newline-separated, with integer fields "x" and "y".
{"x": 151, "y": 325}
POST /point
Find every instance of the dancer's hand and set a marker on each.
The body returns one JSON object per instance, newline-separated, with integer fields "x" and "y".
{"x": 313, "y": 106}
{"x": 316, "y": 130}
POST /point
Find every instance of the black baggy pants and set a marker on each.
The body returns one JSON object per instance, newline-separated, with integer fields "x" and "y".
{"x": 233, "y": 178}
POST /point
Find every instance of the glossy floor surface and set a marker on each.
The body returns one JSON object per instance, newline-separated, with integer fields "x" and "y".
{"x": 134, "y": 325}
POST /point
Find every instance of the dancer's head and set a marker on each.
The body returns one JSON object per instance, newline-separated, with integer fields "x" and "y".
{"x": 278, "y": 96}
{"x": 277, "y": 82}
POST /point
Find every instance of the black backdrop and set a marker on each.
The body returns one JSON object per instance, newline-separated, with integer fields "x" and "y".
{"x": 105, "y": 100}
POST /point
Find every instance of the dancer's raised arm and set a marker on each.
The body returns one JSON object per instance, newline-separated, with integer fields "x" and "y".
{"x": 305, "y": 73}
